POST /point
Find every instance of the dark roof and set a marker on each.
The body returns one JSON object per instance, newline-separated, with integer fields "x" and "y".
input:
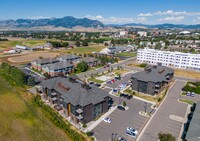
{"x": 116, "y": 49}
{"x": 76, "y": 94}
{"x": 193, "y": 133}
{"x": 87, "y": 59}
{"x": 46, "y": 60}
{"x": 153, "y": 74}
{"x": 58, "y": 65}
{"x": 69, "y": 57}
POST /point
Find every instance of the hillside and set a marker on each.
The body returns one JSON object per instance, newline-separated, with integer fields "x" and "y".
{"x": 66, "y": 22}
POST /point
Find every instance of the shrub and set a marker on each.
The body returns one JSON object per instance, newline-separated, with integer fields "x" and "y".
{"x": 143, "y": 65}
{"x": 166, "y": 137}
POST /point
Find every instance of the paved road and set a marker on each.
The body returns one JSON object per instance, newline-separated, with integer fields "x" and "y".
{"x": 169, "y": 107}
{"x": 102, "y": 69}
{"x": 121, "y": 120}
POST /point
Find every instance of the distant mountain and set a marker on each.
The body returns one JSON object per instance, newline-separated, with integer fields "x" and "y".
{"x": 164, "y": 26}
{"x": 66, "y": 22}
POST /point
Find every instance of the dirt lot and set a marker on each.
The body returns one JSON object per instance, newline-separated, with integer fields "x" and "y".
{"x": 30, "y": 57}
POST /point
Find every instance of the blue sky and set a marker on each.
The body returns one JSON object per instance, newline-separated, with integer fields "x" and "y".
{"x": 107, "y": 11}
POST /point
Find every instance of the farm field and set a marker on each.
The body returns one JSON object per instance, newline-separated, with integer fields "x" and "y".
{"x": 30, "y": 57}
{"x": 12, "y": 43}
{"x": 20, "y": 119}
{"x": 87, "y": 49}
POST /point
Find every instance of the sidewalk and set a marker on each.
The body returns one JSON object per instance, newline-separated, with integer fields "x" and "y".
{"x": 90, "y": 128}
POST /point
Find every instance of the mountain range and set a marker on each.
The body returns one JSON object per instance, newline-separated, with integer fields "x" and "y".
{"x": 70, "y": 22}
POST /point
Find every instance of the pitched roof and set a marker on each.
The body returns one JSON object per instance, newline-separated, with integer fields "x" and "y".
{"x": 69, "y": 57}
{"x": 193, "y": 133}
{"x": 75, "y": 94}
{"x": 153, "y": 74}
{"x": 87, "y": 59}
{"x": 58, "y": 65}
{"x": 46, "y": 60}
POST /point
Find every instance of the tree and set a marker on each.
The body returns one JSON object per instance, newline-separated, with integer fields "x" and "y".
{"x": 77, "y": 43}
{"x": 166, "y": 137}
{"x": 85, "y": 43}
{"x": 31, "y": 81}
{"x": 124, "y": 103}
{"x": 82, "y": 66}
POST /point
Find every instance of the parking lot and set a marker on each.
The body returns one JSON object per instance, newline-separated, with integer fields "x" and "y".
{"x": 122, "y": 119}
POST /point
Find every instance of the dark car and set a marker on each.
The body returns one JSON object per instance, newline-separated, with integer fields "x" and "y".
{"x": 98, "y": 85}
{"x": 121, "y": 95}
{"x": 129, "y": 97}
{"x": 91, "y": 83}
{"x": 125, "y": 96}
{"x": 121, "y": 139}
{"x": 120, "y": 108}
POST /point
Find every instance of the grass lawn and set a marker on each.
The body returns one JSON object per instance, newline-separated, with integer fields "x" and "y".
{"x": 187, "y": 73}
{"x": 187, "y": 101}
{"x": 13, "y": 43}
{"x": 95, "y": 80}
{"x": 120, "y": 72}
{"x": 82, "y": 50}
{"x": 126, "y": 54}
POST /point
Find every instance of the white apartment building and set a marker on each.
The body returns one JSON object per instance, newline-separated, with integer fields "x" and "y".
{"x": 167, "y": 58}
{"x": 142, "y": 33}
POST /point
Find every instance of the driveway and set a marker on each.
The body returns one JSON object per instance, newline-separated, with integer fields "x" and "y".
{"x": 161, "y": 122}
{"x": 121, "y": 120}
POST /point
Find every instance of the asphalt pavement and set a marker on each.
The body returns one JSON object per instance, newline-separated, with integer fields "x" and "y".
{"x": 161, "y": 122}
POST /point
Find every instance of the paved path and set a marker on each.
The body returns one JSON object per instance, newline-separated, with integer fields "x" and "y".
{"x": 161, "y": 121}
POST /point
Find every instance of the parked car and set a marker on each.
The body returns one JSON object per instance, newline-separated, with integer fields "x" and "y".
{"x": 121, "y": 95}
{"x": 120, "y": 108}
{"x": 98, "y": 85}
{"x": 130, "y": 134}
{"x": 131, "y": 129}
{"x": 125, "y": 96}
{"x": 188, "y": 94}
{"x": 107, "y": 120}
{"x": 129, "y": 97}
{"x": 121, "y": 139}
{"x": 192, "y": 94}
{"x": 91, "y": 83}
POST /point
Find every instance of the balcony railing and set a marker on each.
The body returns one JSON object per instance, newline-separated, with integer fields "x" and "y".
{"x": 79, "y": 111}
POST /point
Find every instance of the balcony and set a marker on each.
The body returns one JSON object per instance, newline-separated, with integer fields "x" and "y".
{"x": 157, "y": 85}
{"x": 79, "y": 117}
{"x": 79, "y": 111}
{"x": 54, "y": 94}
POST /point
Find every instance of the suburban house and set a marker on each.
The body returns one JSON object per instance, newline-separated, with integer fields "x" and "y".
{"x": 59, "y": 68}
{"x": 113, "y": 50}
{"x": 152, "y": 80}
{"x": 91, "y": 61}
{"x": 78, "y": 101}
{"x": 68, "y": 57}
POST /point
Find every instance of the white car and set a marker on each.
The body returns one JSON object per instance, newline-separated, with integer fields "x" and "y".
{"x": 131, "y": 129}
{"x": 108, "y": 120}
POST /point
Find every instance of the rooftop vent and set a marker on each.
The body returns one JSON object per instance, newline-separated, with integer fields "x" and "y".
{"x": 161, "y": 70}
{"x": 155, "y": 67}
{"x": 147, "y": 69}
{"x": 60, "y": 85}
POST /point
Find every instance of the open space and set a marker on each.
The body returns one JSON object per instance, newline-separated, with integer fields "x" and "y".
{"x": 31, "y": 57}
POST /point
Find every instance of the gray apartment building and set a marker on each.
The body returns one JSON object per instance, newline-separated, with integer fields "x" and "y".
{"x": 152, "y": 80}
{"x": 79, "y": 101}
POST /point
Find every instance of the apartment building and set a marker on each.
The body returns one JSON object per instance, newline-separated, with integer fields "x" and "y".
{"x": 167, "y": 58}
{"x": 152, "y": 80}
{"x": 77, "y": 100}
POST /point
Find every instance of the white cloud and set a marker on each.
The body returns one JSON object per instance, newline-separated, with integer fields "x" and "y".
{"x": 145, "y": 15}
{"x": 38, "y": 17}
{"x": 171, "y": 19}
{"x": 170, "y": 13}
{"x": 117, "y": 20}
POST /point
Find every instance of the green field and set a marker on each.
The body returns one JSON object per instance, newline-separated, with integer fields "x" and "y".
{"x": 24, "y": 118}
{"x": 82, "y": 50}
{"x": 30, "y": 43}
{"x": 21, "y": 120}
{"x": 126, "y": 54}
